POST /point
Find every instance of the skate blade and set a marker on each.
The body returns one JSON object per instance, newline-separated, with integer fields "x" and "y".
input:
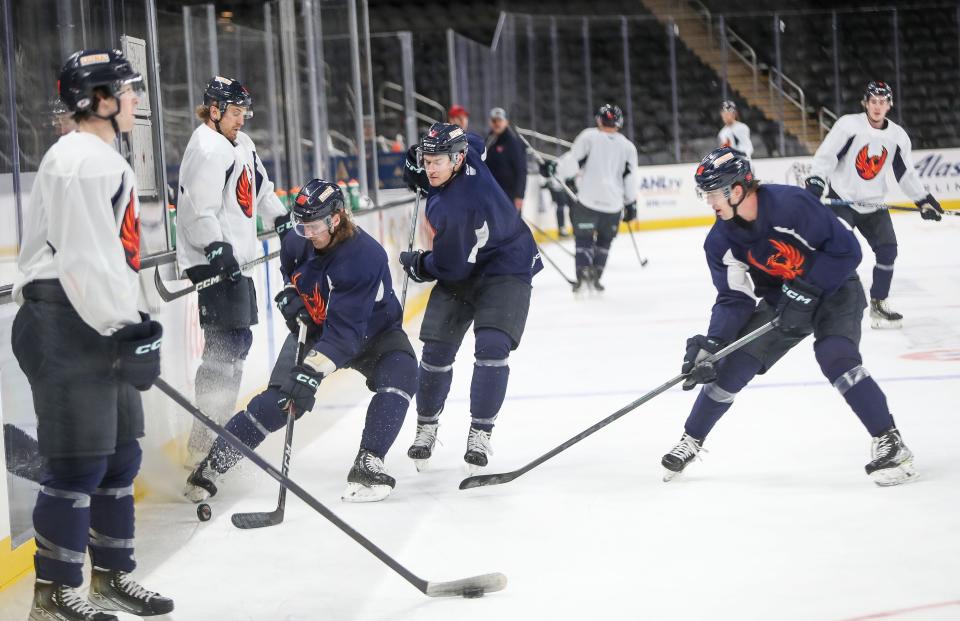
{"x": 669, "y": 475}
{"x": 361, "y": 493}
{"x": 473, "y": 469}
{"x": 898, "y": 475}
{"x": 195, "y": 494}
{"x": 421, "y": 464}
{"x": 883, "y": 324}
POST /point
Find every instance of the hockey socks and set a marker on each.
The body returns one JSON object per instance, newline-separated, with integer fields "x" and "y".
{"x": 840, "y": 362}
{"x": 733, "y": 373}
{"x": 435, "y": 376}
{"x": 86, "y": 501}
{"x": 490, "y": 374}
{"x": 883, "y": 271}
{"x": 395, "y": 381}
{"x": 261, "y": 418}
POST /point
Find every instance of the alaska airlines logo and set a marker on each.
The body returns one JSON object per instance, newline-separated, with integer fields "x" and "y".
{"x": 786, "y": 262}
{"x": 245, "y": 192}
{"x": 314, "y": 302}
{"x": 130, "y": 234}
{"x": 869, "y": 166}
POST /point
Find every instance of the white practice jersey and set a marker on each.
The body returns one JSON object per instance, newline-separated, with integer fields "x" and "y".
{"x": 82, "y": 226}
{"x": 854, "y": 157}
{"x": 736, "y": 136}
{"x": 223, "y": 187}
{"x": 607, "y": 164}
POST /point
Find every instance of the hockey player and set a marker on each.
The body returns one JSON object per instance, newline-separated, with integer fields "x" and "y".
{"x": 561, "y": 200}
{"x": 734, "y": 133}
{"x": 777, "y": 244}
{"x": 854, "y": 159}
{"x": 338, "y": 282}
{"x": 606, "y": 163}
{"x": 223, "y": 186}
{"x": 483, "y": 260}
{"x": 86, "y": 349}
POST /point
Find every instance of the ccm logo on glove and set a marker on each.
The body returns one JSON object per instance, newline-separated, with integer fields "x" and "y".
{"x": 149, "y": 347}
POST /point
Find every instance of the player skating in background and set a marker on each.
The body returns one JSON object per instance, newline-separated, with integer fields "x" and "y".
{"x": 483, "y": 260}
{"x": 339, "y": 284}
{"x": 777, "y": 244}
{"x": 602, "y": 166}
{"x": 561, "y": 200}
{"x": 223, "y": 186}
{"x": 86, "y": 349}
{"x": 734, "y": 132}
{"x": 854, "y": 159}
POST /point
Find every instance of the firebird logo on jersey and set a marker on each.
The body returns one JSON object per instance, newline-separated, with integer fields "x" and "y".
{"x": 314, "y": 302}
{"x": 869, "y": 166}
{"x": 130, "y": 234}
{"x": 786, "y": 262}
{"x": 245, "y": 192}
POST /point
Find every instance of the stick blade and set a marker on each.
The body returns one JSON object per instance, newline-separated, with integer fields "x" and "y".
{"x": 467, "y": 587}
{"x": 482, "y": 480}
{"x": 246, "y": 521}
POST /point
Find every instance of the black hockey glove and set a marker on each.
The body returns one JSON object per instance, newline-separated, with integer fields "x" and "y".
{"x": 220, "y": 256}
{"x": 412, "y": 261}
{"x": 930, "y": 209}
{"x": 282, "y": 225}
{"x": 798, "y": 303}
{"x": 816, "y": 186}
{"x": 548, "y": 169}
{"x": 300, "y": 389}
{"x": 697, "y": 370}
{"x": 413, "y": 175}
{"x": 138, "y": 352}
{"x": 630, "y": 212}
{"x": 294, "y": 311}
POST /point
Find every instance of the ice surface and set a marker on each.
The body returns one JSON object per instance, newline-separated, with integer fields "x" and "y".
{"x": 778, "y": 521}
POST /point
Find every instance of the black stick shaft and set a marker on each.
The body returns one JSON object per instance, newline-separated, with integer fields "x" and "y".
{"x": 291, "y": 419}
{"x": 298, "y": 491}
{"x": 413, "y": 237}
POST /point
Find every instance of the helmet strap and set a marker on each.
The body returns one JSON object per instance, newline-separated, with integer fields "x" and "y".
{"x": 109, "y": 117}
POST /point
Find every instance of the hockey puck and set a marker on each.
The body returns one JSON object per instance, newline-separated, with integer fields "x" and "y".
{"x": 204, "y": 512}
{"x": 473, "y": 592}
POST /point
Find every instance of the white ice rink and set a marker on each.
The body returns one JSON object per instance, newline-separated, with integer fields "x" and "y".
{"x": 778, "y": 521}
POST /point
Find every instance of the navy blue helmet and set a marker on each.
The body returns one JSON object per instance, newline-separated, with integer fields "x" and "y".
{"x": 444, "y": 139}
{"x": 722, "y": 169}
{"x": 88, "y": 69}
{"x": 225, "y": 91}
{"x": 878, "y": 88}
{"x": 317, "y": 200}
{"x": 610, "y": 115}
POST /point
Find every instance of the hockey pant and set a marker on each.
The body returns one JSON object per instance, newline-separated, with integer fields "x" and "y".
{"x": 86, "y": 502}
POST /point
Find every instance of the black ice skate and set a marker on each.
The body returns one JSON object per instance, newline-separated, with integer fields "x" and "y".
{"x": 201, "y": 482}
{"x": 597, "y": 273}
{"x": 584, "y": 279}
{"x": 58, "y": 602}
{"x": 478, "y": 449}
{"x": 368, "y": 481}
{"x": 882, "y": 317}
{"x": 674, "y": 462}
{"x": 116, "y": 590}
{"x": 892, "y": 461}
{"x": 422, "y": 448}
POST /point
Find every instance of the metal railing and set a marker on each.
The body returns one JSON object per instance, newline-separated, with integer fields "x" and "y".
{"x": 742, "y": 50}
{"x": 823, "y": 114}
{"x": 797, "y": 98}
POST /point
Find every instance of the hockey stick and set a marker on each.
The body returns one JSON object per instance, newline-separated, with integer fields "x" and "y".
{"x": 636, "y": 249}
{"x": 838, "y": 201}
{"x": 168, "y": 296}
{"x": 496, "y": 479}
{"x": 413, "y": 235}
{"x": 548, "y": 237}
{"x": 272, "y": 518}
{"x": 468, "y": 587}
{"x": 555, "y": 266}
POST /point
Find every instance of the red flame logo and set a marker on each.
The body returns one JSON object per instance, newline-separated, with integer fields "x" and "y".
{"x": 786, "y": 262}
{"x": 245, "y": 192}
{"x": 869, "y": 166}
{"x": 315, "y": 304}
{"x": 130, "y": 234}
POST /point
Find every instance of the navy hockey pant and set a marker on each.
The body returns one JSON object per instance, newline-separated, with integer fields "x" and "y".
{"x": 86, "y": 502}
